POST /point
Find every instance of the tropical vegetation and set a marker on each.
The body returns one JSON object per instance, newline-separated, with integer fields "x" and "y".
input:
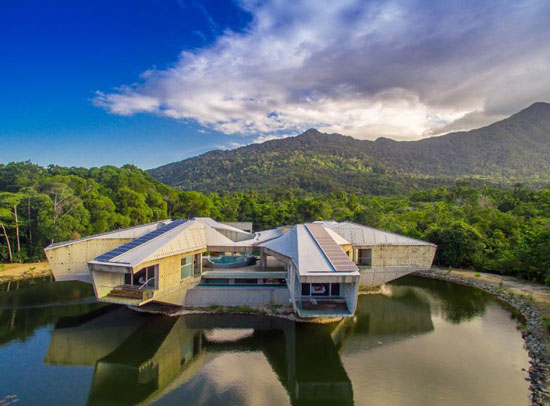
{"x": 479, "y": 227}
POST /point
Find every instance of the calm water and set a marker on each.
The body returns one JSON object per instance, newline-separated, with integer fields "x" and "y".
{"x": 423, "y": 342}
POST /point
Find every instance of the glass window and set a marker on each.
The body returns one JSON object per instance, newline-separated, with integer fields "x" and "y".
{"x": 216, "y": 281}
{"x": 140, "y": 277}
{"x": 151, "y": 276}
{"x": 186, "y": 267}
{"x": 246, "y": 281}
{"x": 271, "y": 281}
{"x": 128, "y": 279}
{"x": 305, "y": 289}
{"x": 365, "y": 257}
{"x": 146, "y": 276}
{"x": 319, "y": 289}
{"x": 335, "y": 289}
{"x": 197, "y": 268}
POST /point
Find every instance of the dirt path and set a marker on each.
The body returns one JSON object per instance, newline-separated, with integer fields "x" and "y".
{"x": 17, "y": 272}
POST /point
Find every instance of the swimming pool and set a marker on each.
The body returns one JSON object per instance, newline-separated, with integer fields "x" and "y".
{"x": 230, "y": 261}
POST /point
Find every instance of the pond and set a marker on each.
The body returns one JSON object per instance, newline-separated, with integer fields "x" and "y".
{"x": 422, "y": 342}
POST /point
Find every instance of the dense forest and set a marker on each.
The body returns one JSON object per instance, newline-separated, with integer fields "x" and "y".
{"x": 509, "y": 151}
{"x": 483, "y": 228}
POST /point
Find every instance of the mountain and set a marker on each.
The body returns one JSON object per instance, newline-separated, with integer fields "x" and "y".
{"x": 516, "y": 149}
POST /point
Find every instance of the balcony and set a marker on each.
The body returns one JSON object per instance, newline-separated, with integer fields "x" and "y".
{"x": 129, "y": 295}
{"x": 323, "y": 307}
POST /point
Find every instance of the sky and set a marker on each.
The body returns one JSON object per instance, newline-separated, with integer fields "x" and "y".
{"x": 148, "y": 82}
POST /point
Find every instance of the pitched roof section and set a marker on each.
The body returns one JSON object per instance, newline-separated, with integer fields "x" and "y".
{"x": 130, "y": 232}
{"x": 214, "y": 238}
{"x": 260, "y": 237}
{"x": 336, "y": 256}
{"x": 177, "y": 237}
{"x": 220, "y": 226}
{"x": 338, "y": 239}
{"x": 360, "y": 235}
{"x": 137, "y": 242}
{"x": 305, "y": 252}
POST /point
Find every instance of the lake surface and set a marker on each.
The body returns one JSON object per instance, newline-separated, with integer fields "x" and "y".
{"x": 423, "y": 342}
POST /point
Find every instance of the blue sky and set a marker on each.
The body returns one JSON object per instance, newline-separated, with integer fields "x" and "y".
{"x": 57, "y": 54}
{"x": 90, "y": 83}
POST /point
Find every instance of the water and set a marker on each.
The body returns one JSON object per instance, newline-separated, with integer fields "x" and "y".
{"x": 229, "y": 259}
{"x": 423, "y": 342}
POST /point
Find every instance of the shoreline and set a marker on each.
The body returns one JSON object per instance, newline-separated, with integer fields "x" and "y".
{"x": 14, "y": 272}
{"x": 280, "y": 313}
{"x": 517, "y": 294}
{"x": 534, "y": 335}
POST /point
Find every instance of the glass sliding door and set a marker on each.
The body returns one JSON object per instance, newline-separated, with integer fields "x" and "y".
{"x": 186, "y": 267}
{"x": 197, "y": 267}
{"x": 146, "y": 276}
{"x": 330, "y": 290}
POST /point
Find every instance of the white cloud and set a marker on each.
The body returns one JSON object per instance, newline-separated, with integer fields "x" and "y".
{"x": 268, "y": 137}
{"x": 401, "y": 69}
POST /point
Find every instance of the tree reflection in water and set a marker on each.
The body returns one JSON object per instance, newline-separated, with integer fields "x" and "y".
{"x": 457, "y": 303}
{"x": 139, "y": 359}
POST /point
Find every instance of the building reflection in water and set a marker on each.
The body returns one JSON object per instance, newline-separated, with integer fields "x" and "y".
{"x": 138, "y": 359}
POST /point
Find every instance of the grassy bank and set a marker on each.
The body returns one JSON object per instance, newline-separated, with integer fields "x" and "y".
{"x": 17, "y": 272}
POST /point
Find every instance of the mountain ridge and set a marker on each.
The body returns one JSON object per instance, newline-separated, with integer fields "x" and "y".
{"x": 515, "y": 149}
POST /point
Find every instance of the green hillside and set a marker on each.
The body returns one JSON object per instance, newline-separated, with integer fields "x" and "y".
{"x": 512, "y": 150}
{"x": 490, "y": 229}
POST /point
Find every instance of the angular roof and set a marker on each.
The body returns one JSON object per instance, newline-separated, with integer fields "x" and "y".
{"x": 241, "y": 225}
{"x": 260, "y": 237}
{"x": 214, "y": 238}
{"x": 167, "y": 240}
{"x": 338, "y": 239}
{"x": 219, "y": 226}
{"x": 360, "y": 235}
{"x": 304, "y": 250}
{"x": 129, "y": 232}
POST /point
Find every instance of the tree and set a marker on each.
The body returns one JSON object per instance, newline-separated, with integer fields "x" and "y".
{"x": 8, "y": 204}
{"x": 5, "y": 214}
{"x": 459, "y": 245}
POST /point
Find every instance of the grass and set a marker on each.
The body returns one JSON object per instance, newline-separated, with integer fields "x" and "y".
{"x": 477, "y": 275}
{"x": 364, "y": 289}
{"x": 238, "y": 309}
{"x": 242, "y": 309}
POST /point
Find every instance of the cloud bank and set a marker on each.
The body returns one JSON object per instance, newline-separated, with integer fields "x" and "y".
{"x": 403, "y": 69}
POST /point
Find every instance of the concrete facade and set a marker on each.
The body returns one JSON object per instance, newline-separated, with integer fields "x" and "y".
{"x": 317, "y": 268}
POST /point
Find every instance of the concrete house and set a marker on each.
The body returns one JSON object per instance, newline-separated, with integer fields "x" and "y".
{"x": 317, "y": 268}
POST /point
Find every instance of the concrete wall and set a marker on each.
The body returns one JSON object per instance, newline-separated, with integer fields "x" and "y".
{"x": 104, "y": 282}
{"x": 400, "y": 255}
{"x": 390, "y": 262}
{"x": 234, "y": 235}
{"x": 171, "y": 289}
{"x": 70, "y": 262}
{"x": 207, "y": 296}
